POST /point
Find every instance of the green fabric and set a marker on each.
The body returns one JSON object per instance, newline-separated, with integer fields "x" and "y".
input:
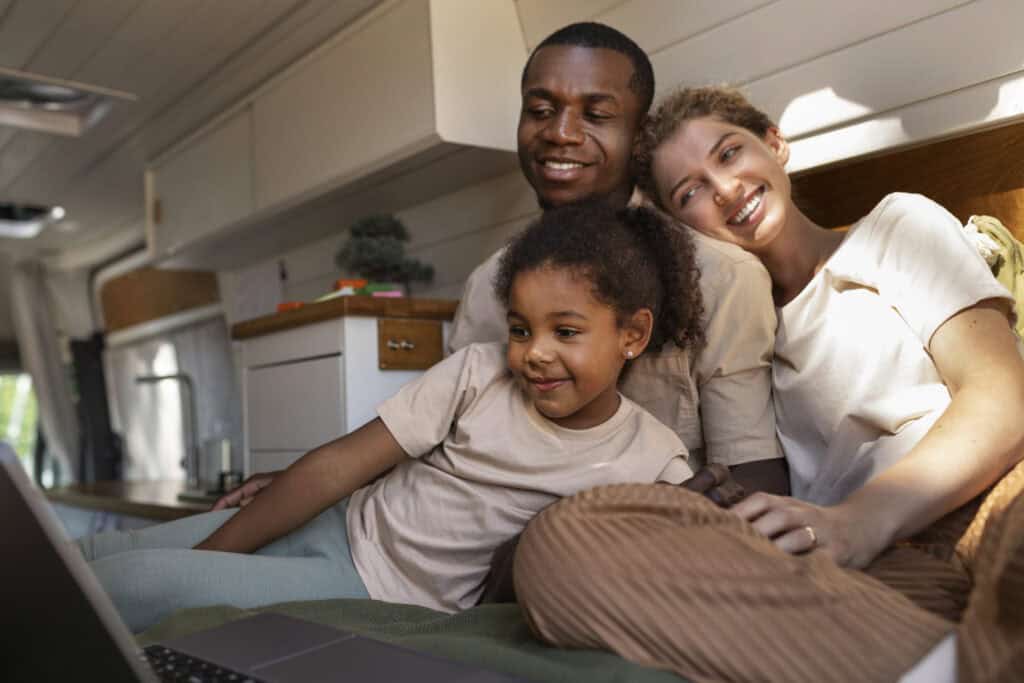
{"x": 491, "y": 636}
{"x": 1009, "y": 266}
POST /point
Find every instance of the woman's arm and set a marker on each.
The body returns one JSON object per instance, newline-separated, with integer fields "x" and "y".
{"x": 310, "y": 485}
{"x": 978, "y": 438}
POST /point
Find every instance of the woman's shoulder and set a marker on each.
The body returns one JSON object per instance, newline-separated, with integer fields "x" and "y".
{"x": 905, "y": 210}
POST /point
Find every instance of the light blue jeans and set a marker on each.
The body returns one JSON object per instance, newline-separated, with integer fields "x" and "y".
{"x": 152, "y": 572}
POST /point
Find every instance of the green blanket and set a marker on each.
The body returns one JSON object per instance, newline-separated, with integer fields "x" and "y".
{"x": 492, "y": 636}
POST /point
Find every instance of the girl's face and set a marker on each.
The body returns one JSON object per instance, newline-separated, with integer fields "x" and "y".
{"x": 724, "y": 181}
{"x": 566, "y": 348}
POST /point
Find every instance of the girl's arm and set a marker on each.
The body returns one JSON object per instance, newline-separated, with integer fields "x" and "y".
{"x": 977, "y": 439}
{"x": 309, "y": 486}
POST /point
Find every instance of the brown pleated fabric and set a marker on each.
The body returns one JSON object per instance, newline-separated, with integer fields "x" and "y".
{"x": 665, "y": 578}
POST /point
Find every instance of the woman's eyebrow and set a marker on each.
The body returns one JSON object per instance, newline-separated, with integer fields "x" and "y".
{"x": 711, "y": 153}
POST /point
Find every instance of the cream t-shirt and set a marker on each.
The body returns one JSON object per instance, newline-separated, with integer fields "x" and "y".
{"x": 855, "y": 387}
{"x": 484, "y": 462}
{"x": 719, "y": 402}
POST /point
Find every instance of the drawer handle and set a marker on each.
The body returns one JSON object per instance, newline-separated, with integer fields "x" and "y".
{"x": 402, "y": 345}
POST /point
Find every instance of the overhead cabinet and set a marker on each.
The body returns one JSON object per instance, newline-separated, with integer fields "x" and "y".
{"x": 416, "y": 99}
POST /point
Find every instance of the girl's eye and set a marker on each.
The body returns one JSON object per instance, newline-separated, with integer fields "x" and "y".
{"x": 518, "y": 332}
{"x": 566, "y": 332}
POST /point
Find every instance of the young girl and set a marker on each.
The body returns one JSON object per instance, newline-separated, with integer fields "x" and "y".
{"x": 410, "y": 507}
{"x": 899, "y": 389}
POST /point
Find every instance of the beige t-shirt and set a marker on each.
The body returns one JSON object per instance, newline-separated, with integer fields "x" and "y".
{"x": 719, "y": 403}
{"x": 484, "y": 462}
{"x": 855, "y": 387}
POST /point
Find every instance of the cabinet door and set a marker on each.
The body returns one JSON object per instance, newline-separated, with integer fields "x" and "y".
{"x": 203, "y": 187}
{"x": 295, "y": 406}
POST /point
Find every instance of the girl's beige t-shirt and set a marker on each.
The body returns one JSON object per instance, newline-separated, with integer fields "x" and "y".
{"x": 854, "y": 386}
{"x": 484, "y": 462}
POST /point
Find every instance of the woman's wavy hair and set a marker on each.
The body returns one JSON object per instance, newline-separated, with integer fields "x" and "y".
{"x": 632, "y": 257}
{"x": 721, "y": 102}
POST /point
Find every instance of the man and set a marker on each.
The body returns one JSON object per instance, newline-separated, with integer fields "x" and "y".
{"x": 585, "y": 91}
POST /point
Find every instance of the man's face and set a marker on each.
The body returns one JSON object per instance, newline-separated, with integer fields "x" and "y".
{"x": 577, "y": 124}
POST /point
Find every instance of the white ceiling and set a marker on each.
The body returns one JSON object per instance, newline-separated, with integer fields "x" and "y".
{"x": 186, "y": 60}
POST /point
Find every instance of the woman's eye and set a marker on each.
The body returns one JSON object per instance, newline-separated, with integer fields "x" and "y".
{"x": 729, "y": 152}
{"x": 687, "y": 196}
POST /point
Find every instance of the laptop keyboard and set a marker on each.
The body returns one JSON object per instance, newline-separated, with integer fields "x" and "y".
{"x": 171, "y": 665}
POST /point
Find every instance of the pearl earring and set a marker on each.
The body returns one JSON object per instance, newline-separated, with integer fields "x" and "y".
{"x": 629, "y": 355}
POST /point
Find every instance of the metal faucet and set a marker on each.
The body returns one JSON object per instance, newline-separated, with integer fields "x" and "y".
{"x": 191, "y": 460}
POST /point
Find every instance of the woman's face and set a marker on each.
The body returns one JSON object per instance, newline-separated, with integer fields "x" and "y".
{"x": 724, "y": 181}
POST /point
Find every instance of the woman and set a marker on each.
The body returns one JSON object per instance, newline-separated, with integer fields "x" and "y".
{"x": 899, "y": 388}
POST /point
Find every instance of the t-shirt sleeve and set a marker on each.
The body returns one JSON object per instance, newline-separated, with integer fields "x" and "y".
{"x": 424, "y": 411}
{"x": 480, "y": 317}
{"x": 928, "y": 269}
{"x": 734, "y": 368}
{"x": 676, "y": 471}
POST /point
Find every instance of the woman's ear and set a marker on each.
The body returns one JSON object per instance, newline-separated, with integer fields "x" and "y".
{"x": 635, "y": 333}
{"x": 777, "y": 141}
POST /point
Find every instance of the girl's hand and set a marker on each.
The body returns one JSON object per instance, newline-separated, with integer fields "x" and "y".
{"x": 244, "y": 494}
{"x": 797, "y": 527}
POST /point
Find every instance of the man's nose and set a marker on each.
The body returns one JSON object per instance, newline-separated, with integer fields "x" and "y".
{"x": 565, "y": 128}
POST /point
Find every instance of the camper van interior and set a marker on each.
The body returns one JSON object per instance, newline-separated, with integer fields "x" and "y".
{"x": 231, "y": 229}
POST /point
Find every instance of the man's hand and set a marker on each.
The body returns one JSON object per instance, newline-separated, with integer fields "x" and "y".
{"x": 243, "y": 495}
{"x": 717, "y": 484}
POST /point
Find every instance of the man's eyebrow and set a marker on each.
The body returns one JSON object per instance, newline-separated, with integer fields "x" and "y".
{"x": 711, "y": 152}
{"x": 591, "y": 98}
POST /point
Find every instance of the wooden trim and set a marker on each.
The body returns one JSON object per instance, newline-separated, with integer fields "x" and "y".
{"x": 408, "y": 344}
{"x": 981, "y": 173}
{"x": 427, "y": 309}
{"x": 151, "y": 499}
{"x": 151, "y": 293}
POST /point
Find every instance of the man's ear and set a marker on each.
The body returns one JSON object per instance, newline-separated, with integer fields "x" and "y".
{"x": 777, "y": 141}
{"x": 635, "y": 333}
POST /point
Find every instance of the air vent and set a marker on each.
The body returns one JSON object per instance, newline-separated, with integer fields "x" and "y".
{"x": 25, "y": 221}
{"x": 51, "y": 105}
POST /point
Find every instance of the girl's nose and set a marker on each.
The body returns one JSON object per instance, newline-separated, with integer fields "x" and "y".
{"x": 538, "y": 354}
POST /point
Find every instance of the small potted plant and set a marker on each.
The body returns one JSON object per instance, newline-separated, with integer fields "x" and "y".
{"x": 376, "y": 251}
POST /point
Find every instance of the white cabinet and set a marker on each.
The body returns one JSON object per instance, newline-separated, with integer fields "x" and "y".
{"x": 308, "y": 385}
{"x": 203, "y": 187}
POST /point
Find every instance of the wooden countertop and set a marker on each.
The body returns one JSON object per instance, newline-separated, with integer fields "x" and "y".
{"x": 151, "y": 499}
{"x": 377, "y": 307}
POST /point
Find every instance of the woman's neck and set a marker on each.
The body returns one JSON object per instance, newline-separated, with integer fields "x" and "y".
{"x": 797, "y": 254}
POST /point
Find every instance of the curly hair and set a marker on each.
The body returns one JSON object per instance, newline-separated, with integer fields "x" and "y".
{"x": 632, "y": 257}
{"x": 721, "y": 102}
{"x": 592, "y": 34}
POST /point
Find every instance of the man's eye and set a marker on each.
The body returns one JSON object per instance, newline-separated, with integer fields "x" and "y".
{"x": 539, "y": 112}
{"x": 518, "y": 332}
{"x": 599, "y": 115}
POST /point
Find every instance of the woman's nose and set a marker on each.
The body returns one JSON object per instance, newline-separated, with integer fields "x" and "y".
{"x": 726, "y": 189}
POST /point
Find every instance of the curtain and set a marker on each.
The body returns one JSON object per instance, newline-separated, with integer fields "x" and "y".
{"x": 41, "y": 357}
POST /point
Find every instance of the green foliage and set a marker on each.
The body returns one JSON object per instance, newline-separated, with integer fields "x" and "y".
{"x": 376, "y": 251}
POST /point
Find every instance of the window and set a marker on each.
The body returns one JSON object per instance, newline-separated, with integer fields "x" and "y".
{"x": 18, "y": 415}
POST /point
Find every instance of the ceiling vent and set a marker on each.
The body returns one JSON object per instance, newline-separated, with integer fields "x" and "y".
{"x": 51, "y": 105}
{"x": 25, "y": 221}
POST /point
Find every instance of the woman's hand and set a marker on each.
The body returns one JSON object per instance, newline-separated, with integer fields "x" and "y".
{"x": 798, "y": 527}
{"x": 244, "y": 494}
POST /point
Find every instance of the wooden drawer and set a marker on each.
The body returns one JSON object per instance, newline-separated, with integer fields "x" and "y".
{"x": 295, "y": 406}
{"x": 404, "y": 344}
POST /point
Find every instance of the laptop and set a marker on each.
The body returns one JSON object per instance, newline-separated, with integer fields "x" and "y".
{"x": 59, "y": 624}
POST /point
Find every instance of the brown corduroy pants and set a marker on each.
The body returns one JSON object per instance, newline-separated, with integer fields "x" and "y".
{"x": 663, "y": 577}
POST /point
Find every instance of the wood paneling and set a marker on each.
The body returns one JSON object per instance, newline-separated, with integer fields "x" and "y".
{"x": 376, "y": 307}
{"x": 150, "y": 293}
{"x": 982, "y": 173}
{"x": 408, "y": 344}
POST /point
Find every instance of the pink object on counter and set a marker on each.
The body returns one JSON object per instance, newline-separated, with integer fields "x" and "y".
{"x": 388, "y": 294}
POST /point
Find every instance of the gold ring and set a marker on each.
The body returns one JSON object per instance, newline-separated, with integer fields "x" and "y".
{"x": 814, "y": 536}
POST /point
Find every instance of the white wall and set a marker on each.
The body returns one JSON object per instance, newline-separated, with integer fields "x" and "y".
{"x": 843, "y": 78}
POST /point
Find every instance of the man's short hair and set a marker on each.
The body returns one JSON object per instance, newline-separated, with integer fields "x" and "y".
{"x": 594, "y": 35}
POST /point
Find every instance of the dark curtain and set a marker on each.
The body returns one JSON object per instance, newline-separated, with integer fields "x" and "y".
{"x": 100, "y": 450}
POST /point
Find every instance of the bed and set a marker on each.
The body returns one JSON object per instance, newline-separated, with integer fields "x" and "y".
{"x": 982, "y": 173}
